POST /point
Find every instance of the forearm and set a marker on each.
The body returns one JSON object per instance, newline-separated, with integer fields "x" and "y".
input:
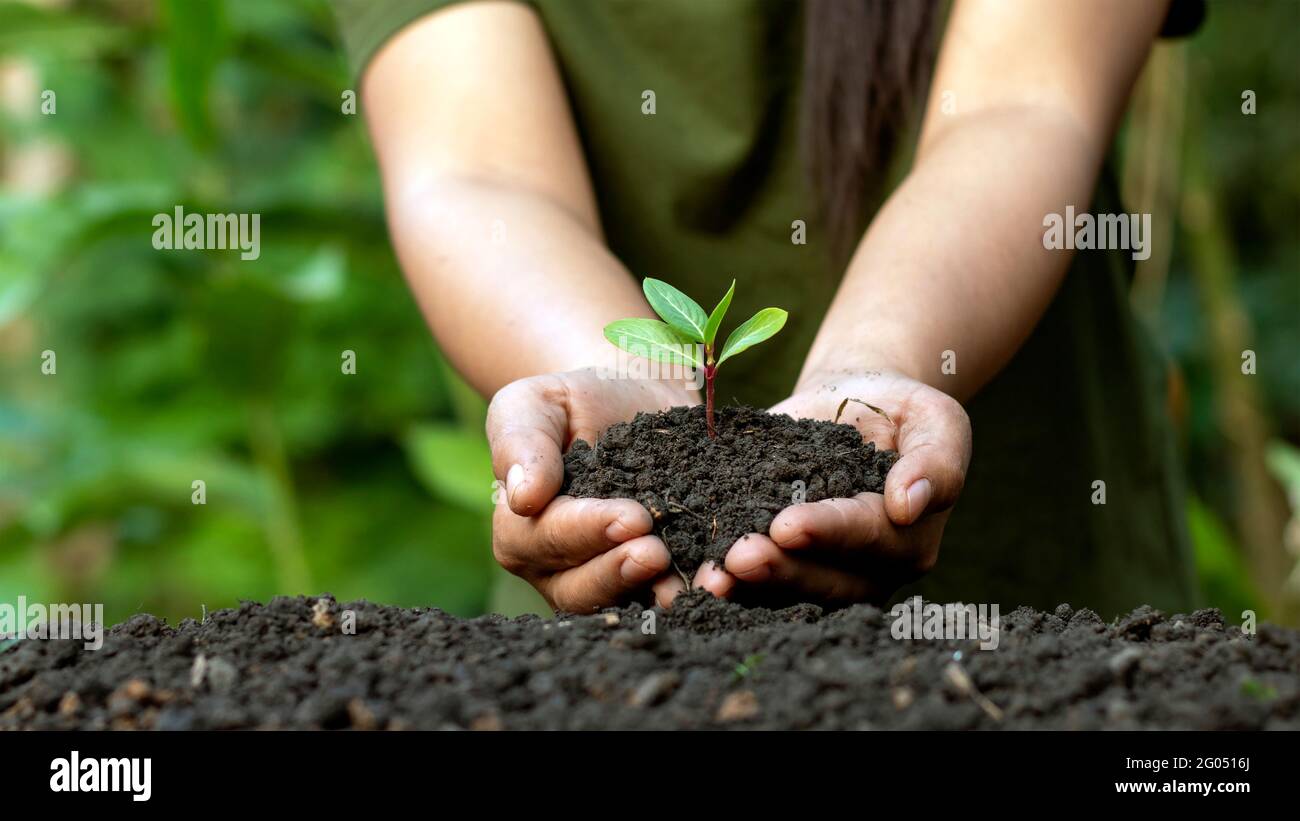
{"x": 1024, "y": 100}
{"x": 512, "y": 283}
{"x": 955, "y": 261}
{"x": 489, "y": 202}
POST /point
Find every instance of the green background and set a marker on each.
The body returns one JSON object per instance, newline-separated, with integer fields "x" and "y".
{"x": 181, "y": 366}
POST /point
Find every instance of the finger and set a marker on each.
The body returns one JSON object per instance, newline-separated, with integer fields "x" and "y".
{"x": 756, "y": 560}
{"x": 667, "y": 588}
{"x": 567, "y": 533}
{"x": 526, "y": 428}
{"x": 714, "y": 579}
{"x": 935, "y": 446}
{"x": 609, "y": 578}
{"x": 857, "y": 533}
{"x": 857, "y": 528}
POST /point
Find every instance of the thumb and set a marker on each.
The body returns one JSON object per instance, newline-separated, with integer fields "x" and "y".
{"x": 527, "y": 422}
{"x": 931, "y": 470}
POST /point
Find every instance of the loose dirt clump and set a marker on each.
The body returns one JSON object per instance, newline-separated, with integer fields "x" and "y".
{"x": 705, "y": 494}
{"x": 703, "y": 663}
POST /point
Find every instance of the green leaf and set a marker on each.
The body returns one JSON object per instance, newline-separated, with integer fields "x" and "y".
{"x": 196, "y": 42}
{"x": 715, "y": 318}
{"x": 454, "y": 464}
{"x": 654, "y": 340}
{"x": 320, "y": 277}
{"x": 1284, "y": 462}
{"x": 1220, "y": 570}
{"x": 82, "y": 35}
{"x": 19, "y": 286}
{"x": 676, "y": 308}
{"x": 757, "y": 328}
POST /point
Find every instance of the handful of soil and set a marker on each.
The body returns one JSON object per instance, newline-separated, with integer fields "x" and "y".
{"x": 704, "y": 493}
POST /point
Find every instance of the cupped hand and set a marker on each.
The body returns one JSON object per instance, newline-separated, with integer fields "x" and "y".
{"x": 839, "y": 551}
{"x": 580, "y": 554}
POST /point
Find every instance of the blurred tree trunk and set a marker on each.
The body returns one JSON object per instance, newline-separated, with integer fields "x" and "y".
{"x": 1259, "y": 503}
{"x": 1160, "y": 128}
{"x": 1152, "y": 164}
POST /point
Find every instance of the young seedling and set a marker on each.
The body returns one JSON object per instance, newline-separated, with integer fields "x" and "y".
{"x": 747, "y": 667}
{"x": 686, "y": 331}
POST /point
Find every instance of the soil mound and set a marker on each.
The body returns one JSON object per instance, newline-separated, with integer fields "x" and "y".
{"x": 704, "y": 494}
{"x": 704, "y": 663}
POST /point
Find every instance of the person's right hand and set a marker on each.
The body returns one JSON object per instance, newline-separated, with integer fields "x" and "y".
{"x": 580, "y": 554}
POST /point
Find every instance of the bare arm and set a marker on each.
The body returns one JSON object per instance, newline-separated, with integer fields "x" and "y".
{"x": 489, "y": 200}
{"x": 955, "y": 260}
{"x": 494, "y": 221}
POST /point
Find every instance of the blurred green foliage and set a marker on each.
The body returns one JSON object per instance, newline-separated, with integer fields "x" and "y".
{"x": 1254, "y": 175}
{"x": 173, "y": 367}
{"x": 176, "y": 367}
{"x": 1247, "y": 166}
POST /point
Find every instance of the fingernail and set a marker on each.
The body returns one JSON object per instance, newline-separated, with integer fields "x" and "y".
{"x": 643, "y": 560}
{"x": 918, "y": 498}
{"x": 757, "y": 574}
{"x": 714, "y": 579}
{"x": 633, "y": 572}
{"x": 514, "y": 478}
{"x": 618, "y": 532}
{"x": 747, "y": 567}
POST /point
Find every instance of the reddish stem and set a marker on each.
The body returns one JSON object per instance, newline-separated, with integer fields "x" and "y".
{"x": 709, "y": 372}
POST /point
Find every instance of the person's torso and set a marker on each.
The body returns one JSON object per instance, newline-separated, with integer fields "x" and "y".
{"x": 688, "y": 113}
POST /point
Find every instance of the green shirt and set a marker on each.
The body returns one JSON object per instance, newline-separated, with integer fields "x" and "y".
{"x": 709, "y": 187}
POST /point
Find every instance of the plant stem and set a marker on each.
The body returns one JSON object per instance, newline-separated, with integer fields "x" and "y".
{"x": 709, "y": 372}
{"x": 283, "y": 528}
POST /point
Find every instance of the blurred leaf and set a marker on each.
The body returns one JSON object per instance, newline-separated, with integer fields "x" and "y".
{"x": 467, "y": 406}
{"x": 195, "y": 44}
{"x": 454, "y": 464}
{"x": 31, "y": 29}
{"x": 1224, "y": 581}
{"x": 1284, "y": 462}
{"x": 320, "y": 277}
{"x": 17, "y": 288}
{"x": 512, "y": 596}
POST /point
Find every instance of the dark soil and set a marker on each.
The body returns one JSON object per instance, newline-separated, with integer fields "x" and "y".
{"x": 709, "y": 664}
{"x": 705, "y": 494}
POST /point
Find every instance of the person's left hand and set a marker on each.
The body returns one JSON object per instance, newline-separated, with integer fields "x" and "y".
{"x": 839, "y": 551}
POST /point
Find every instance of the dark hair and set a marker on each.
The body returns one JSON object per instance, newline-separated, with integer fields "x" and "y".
{"x": 865, "y": 65}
